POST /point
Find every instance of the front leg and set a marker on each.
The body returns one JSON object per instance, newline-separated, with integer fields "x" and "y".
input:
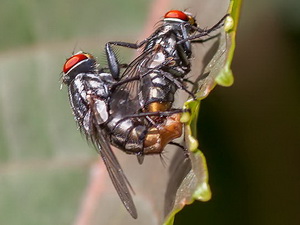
{"x": 125, "y": 44}
{"x": 112, "y": 60}
{"x": 133, "y": 45}
{"x": 204, "y": 32}
{"x": 185, "y": 34}
{"x": 113, "y": 63}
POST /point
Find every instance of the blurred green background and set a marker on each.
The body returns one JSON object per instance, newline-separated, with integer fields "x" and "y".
{"x": 44, "y": 161}
{"x": 249, "y": 132}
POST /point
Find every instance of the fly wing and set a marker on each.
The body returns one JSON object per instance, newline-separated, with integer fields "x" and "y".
{"x": 118, "y": 178}
{"x": 131, "y": 83}
{"x": 116, "y": 173}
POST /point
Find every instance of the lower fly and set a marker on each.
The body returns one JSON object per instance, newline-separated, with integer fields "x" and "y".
{"x": 89, "y": 98}
{"x": 104, "y": 114}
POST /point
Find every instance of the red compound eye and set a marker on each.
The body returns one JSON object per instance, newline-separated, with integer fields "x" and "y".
{"x": 176, "y": 14}
{"x": 72, "y": 61}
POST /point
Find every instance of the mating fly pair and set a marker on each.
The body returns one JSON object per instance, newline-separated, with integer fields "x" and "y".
{"x": 133, "y": 110}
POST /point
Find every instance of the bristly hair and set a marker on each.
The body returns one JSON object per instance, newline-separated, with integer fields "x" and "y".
{"x": 158, "y": 24}
{"x": 103, "y": 58}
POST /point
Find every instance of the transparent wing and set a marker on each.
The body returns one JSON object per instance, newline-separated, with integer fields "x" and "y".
{"x": 116, "y": 173}
{"x": 135, "y": 70}
{"x": 118, "y": 178}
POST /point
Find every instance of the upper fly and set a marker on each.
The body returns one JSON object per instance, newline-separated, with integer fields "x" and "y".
{"x": 170, "y": 46}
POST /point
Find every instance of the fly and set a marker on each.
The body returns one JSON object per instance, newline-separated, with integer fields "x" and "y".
{"x": 169, "y": 46}
{"x": 133, "y": 111}
{"x": 104, "y": 117}
{"x": 89, "y": 98}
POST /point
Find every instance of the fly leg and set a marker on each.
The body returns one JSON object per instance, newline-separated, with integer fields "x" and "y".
{"x": 137, "y": 45}
{"x": 113, "y": 63}
{"x": 157, "y": 113}
{"x": 184, "y": 48}
{"x": 200, "y": 41}
{"x": 133, "y": 45}
{"x": 185, "y": 151}
{"x": 149, "y": 114}
{"x": 184, "y": 53}
{"x": 125, "y": 44}
{"x": 203, "y": 32}
{"x": 188, "y": 81}
{"x": 178, "y": 83}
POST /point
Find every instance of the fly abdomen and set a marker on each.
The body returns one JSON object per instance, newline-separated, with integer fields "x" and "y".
{"x": 156, "y": 88}
{"x": 127, "y": 134}
{"x": 136, "y": 137}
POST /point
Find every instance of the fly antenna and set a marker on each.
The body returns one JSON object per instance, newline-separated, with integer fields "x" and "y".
{"x": 74, "y": 48}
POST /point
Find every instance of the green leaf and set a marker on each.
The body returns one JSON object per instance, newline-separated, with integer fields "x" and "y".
{"x": 195, "y": 184}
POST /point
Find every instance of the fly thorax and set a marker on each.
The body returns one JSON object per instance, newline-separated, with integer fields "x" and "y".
{"x": 158, "y": 80}
{"x": 98, "y": 86}
{"x": 158, "y": 59}
{"x": 166, "y": 29}
{"x": 107, "y": 78}
{"x": 170, "y": 45}
{"x": 78, "y": 85}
